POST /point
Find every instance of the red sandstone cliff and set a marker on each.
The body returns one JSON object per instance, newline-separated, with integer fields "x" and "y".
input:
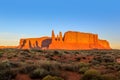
{"x": 34, "y": 43}
{"x": 70, "y": 41}
{"x": 78, "y": 40}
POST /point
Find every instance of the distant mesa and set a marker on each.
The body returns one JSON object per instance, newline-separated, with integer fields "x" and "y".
{"x": 71, "y": 40}
{"x": 2, "y": 47}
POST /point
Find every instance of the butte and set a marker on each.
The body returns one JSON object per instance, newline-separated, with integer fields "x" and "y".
{"x": 71, "y": 40}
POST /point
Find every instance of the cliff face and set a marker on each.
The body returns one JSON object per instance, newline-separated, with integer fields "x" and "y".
{"x": 35, "y": 43}
{"x": 103, "y": 44}
{"x": 79, "y": 40}
{"x": 71, "y": 41}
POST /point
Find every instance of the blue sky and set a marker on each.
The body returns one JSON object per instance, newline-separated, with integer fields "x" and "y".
{"x": 35, "y": 18}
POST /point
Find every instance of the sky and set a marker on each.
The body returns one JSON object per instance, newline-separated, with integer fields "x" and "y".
{"x": 36, "y": 18}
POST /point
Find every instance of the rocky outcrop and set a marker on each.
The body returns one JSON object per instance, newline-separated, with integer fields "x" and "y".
{"x": 78, "y": 40}
{"x": 34, "y": 43}
{"x": 71, "y": 40}
{"x": 103, "y": 44}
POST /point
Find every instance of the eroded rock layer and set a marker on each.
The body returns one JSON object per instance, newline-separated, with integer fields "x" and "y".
{"x": 71, "y": 40}
{"x": 35, "y": 43}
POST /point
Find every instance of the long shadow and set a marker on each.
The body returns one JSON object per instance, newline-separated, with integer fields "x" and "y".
{"x": 46, "y": 43}
{"x": 30, "y": 44}
{"x": 24, "y": 41}
{"x": 37, "y": 45}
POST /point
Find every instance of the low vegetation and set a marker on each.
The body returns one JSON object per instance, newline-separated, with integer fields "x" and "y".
{"x": 60, "y": 64}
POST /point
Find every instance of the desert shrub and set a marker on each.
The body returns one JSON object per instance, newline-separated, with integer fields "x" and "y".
{"x": 108, "y": 59}
{"x": 78, "y": 58}
{"x": 51, "y": 65}
{"x": 14, "y": 64}
{"x": 109, "y": 77}
{"x": 1, "y": 54}
{"x": 47, "y": 66}
{"x": 66, "y": 52}
{"x": 95, "y": 62}
{"x": 70, "y": 67}
{"x": 24, "y": 53}
{"x": 113, "y": 66}
{"x": 54, "y": 73}
{"x": 83, "y": 67}
{"x": 76, "y": 52}
{"x": 15, "y": 55}
{"x": 74, "y": 67}
{"x": 39, "y": 73}
{"x": 83, "y": 70}
{"x": 117, "y": 67}
{"x": 26, "y": 50}
{"x": 58, "y": 78}
{"x": 27, "y": 69}
{"x": 105, "y": 59}
{"x": 82, "y": 64}
{"x": 52, "y": 68}
{"x": 2, "y": 66}
{"x": 48, "y": 77}
{"x": 49, "y": 55}
{"x": 118, "y": 74}
{"x": 92, "y": 75}
{"x": 56, "y": 52}
{"x": 9, "y": 56}
{"x": 83, "y": 57}
{"x": 36, "y": 50}
{"x": 5, "y": 64}
{"x": 7, "y": 74}
{"x": 103, "y": 52}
